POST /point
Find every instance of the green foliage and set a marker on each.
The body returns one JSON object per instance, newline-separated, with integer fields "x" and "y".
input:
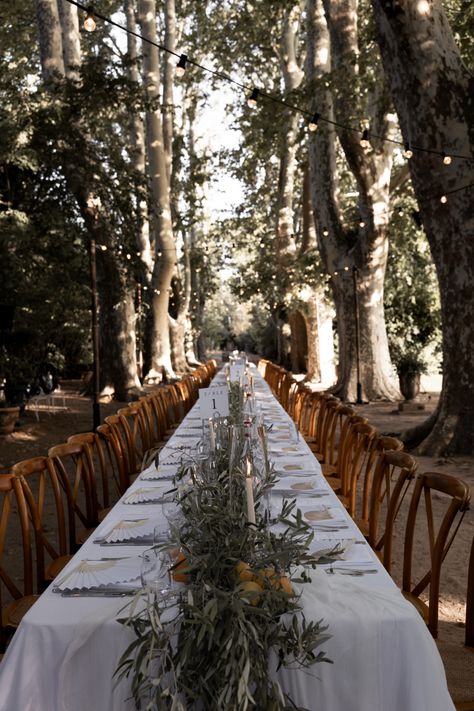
{"x": 412, "y": 308}
{"x": 211, "y": 646}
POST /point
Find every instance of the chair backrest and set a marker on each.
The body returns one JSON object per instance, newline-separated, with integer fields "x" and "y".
{"x": 380, "y": 444}
{"x": 455, "y": 495}
{"x": 102, "y": 465}
{"x": 108, "y": 434}
{"x": 39, "y": 499}
{"x": 73, "y": 464}
{"x": 360, "y": 442}
{"x": 121, "y": 440}
{"x": 12, "y": 530}
{"x": 391, "y": 479}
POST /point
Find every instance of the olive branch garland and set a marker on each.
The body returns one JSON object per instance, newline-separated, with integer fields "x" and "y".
{"x": 213, "y": 645}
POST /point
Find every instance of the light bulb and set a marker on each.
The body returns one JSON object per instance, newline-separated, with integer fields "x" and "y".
{"x": 252, "y": 99}
{"x": 346, "y": 269}
{"x": 364, "y": 141}
{"x": 325, "y": 232}
{"x": 361, "y": 223}
{"x": 181, "y": 66}
{"x": 336, "y": 273}
{"x": 89, "y": 23}
{"x": 443, "y": 199}
{"x": 408, "y": 153}
{"x": 446, "y": 159}
{"x": 313, "y": 122}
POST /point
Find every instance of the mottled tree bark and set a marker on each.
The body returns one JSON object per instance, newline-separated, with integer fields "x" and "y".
{"x": 165, "y": 248}
{"x": 118, "y": 358}
{"x": 432, "y": 90}
{"x": 347, "y": 249}
{"x": 71, "y": 42}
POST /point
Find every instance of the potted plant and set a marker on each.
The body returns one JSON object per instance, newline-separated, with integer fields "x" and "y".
{"x": 410, "y": 365}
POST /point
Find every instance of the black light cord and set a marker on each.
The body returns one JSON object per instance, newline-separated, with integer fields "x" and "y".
{"x": 265, "y": 95}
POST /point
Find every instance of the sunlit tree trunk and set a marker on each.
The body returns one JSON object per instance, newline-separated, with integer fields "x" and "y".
{"x": 118, "y": 371}
{"x": 70, "y": 36}
{"x": 165, "y": 249}
{"x": 432, "y": 90}
{"x": 137, "y": 151}
{"x": 350, "y": 251}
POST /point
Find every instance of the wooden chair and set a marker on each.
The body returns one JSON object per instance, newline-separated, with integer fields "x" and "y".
{"x": 320, "y": 421}
{"x": 360, "y": 495}
{"x": 455, "y": 494}
{"x": 392, "y": 477}
{"x": 73, "y": 464}
{"x": 459, "y": 660}
{"x": 16, "y": 597}
{"x": 109, "y": 435}
{"x": 338, "y": 476}
{"x": 334, "y": 437}
{"x": 40, "y": 501}
{"x": 103, "y": 468}
{"x": 359, "y": 446}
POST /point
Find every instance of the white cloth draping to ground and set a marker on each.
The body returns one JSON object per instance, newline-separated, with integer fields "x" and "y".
{"x": 65, "y": 652}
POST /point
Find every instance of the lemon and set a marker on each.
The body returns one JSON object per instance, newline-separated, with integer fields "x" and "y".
{"x": 250, "y": 591}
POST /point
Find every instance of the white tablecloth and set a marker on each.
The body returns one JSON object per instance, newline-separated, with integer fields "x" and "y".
{"x": 65, "y": 652}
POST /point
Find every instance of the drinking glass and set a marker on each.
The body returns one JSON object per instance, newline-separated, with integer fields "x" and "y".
{"x": 154, "y": 573}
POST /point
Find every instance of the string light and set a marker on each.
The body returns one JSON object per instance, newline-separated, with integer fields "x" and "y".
{"x": 407, "y": 152}
{"x": 252, "y": 99}
{"x": 325, "y": 231}
{"x": 361, "y": 223}
{"x": 443, "y": 199}
{"x": 181, "y": 66}
{"x": 230, "y": 80}
{"x": 446, "y": 159}
{"x": 313, "y": 122}
{"x": 90, "y": 23}
{"x": 364, "y": 141}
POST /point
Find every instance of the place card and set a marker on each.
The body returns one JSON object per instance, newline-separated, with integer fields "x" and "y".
{"x": 236, "y": 371}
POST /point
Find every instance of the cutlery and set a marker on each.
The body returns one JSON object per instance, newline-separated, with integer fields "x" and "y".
{"x": 145, "y": 541}
{"x": 350, "y": 571}
{"x": 98, "y": 592}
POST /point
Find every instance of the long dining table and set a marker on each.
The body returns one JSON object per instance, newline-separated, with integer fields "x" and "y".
{"x": 65, "y": 652}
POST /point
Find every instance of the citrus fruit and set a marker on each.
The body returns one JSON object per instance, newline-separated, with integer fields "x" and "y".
{"x": 250, "y": 591}
{"x": 180, "y": 569}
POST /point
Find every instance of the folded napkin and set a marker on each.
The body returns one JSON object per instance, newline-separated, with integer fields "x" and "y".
{"x": 142, "y": 494}
{"x": 94, "y": 573}
{"x": 129, "y": 529}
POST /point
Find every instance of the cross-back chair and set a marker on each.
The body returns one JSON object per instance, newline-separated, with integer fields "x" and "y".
{"x": 458, "y": 659}
{"x": 103, "y": 468}
{"x": 382, "y": 443}
{"x": 108, "y": 434}
{"x": 359, "y": 444}
{"x": 455, "y": 495}
{"x": 41, "y": 506}
{"x": 392, "y": 477}
{"x": 17, "y": 592}
{"x": 72, "y": 462}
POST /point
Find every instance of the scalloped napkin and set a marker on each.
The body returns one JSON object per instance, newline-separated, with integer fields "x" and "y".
{"x": 321, "y": 515}
{"x": 100, "y": 573}
{"x": 144, "y": 495}
{"x": 129, "y": 529}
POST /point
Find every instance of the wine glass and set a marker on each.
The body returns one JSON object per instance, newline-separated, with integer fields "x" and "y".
{"x": 154, "y": 573}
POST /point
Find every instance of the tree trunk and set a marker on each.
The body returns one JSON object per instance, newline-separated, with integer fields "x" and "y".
{"x": 50, "y": 38}
{"x": 137, "y": 152}
{"x": 71, "y": 43}
{"x": 428, "y": 78}
{"x": 165, "y": 254}
{"x": 344, "y": 247}
{"x": 121, "y": 376}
